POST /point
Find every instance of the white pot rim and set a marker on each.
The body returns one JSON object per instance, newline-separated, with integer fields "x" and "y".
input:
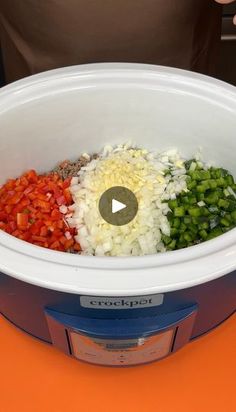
{"x": 117, "y": 276}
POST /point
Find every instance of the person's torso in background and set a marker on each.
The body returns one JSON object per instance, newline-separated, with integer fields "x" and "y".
{"x": 41, "y": 35}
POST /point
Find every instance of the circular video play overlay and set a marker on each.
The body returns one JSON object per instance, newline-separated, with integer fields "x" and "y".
{"x": 118, "y": 205}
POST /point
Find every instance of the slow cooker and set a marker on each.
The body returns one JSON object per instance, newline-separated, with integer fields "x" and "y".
{"x": 116, "y": 310}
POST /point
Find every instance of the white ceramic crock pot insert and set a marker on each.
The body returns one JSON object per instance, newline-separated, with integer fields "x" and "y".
{"x": 60, "y": 114}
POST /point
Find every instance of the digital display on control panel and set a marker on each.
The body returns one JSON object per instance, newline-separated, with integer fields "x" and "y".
{"x": 121, "y": 351}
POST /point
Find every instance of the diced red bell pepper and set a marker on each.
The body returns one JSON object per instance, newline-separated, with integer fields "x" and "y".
{"x": 61, "y": 200}
{"x": 32, "y": 176}
{"x": 63, "y": 240}
{"x": 3, "y": 225}
{"x": 55, "y": 245}
{"x": 22, "y": 219}
{"x": 77, "y": 247}
{"x": 69, "y": 243}
{"x": 12, "y": 225}
{"x": 24, "y": 181}
{"x": 26, "y": 236}
{"x": 60, "y": 224}
{"x": 8, "y": 208}
{"x": 55, "y": 215}
{"x": 39, "y": 238}
{"x": 15, "y": 199}
{"x": 35, "y": 227}
{"x": 43, "y": 231}
{"x": 3, "y": 215}
{"x": 29, "y": 210}
{"x": 67, "y": 195}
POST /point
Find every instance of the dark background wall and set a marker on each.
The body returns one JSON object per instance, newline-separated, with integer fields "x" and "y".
{"x": 226, "y": 69}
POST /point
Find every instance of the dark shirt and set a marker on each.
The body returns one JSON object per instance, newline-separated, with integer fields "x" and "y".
{"x": 41, "y": 35}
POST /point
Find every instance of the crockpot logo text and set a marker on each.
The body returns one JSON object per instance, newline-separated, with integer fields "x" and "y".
{"x": 122, "y": 302}
{"x": 133, "y": 302}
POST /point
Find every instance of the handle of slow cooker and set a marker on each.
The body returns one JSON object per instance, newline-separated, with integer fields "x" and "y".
{"x": 62, "y": 324}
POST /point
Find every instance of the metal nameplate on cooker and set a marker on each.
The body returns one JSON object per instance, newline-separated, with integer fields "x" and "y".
{"x": 129, "y": 302}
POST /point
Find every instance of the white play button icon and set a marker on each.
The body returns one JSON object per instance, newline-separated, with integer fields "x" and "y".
{"x": 116, "y": 206}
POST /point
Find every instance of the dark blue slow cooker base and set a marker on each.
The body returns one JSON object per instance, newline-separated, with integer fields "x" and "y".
{"x": 49, "y": 342}
{"x": 24, "y": 305}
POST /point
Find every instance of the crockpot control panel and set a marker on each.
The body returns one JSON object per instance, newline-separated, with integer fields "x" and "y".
{"x": 121, "y": 351}
{"x": 121, "y": 341}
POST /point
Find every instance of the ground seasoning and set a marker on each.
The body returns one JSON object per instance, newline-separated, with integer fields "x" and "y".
{"x": 69, "y": 169}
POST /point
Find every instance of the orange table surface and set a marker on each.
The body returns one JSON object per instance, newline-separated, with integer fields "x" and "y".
{"x": 35, "y": 377}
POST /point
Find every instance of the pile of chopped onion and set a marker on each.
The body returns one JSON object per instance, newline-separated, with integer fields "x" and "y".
{"x": 154, "y": 178}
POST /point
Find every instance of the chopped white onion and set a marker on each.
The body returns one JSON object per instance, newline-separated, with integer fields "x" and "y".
{"x": 63, "y": 209}
{"x": 143, "y": 173}
{"x": 201, "y": 203}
